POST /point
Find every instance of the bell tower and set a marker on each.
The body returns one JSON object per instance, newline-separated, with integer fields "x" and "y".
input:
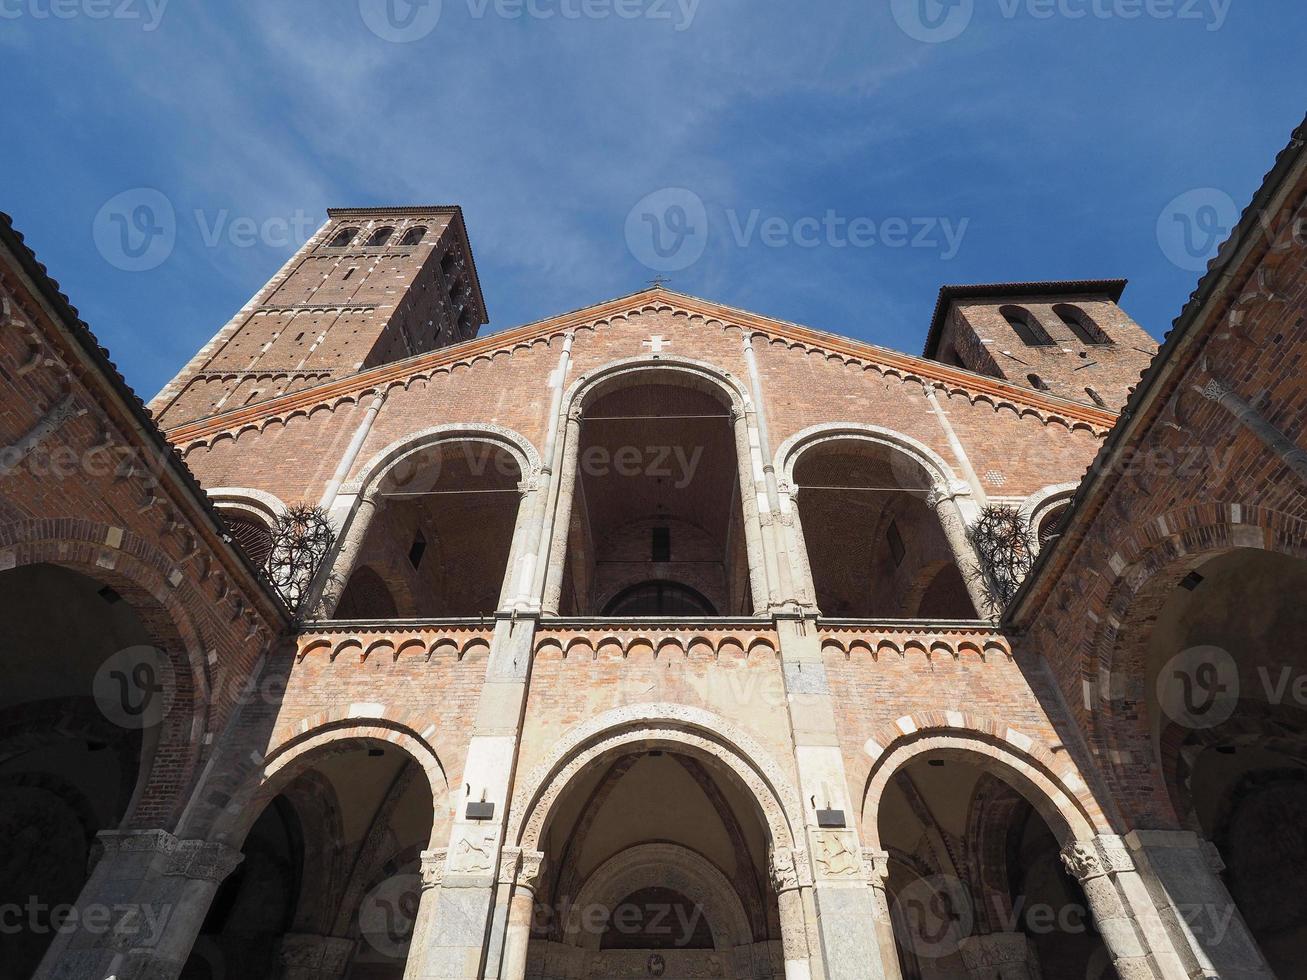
{"x": 373, "y": 285}
{"x": 1067, "y": 338}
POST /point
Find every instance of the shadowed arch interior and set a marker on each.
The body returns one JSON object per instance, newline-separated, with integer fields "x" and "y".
{"x": 875, "y": 547}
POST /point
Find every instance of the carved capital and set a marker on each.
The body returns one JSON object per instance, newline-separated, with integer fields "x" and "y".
{"x": 1085, "y": 860}
{"x": 875, "y": 864}
{"x": 199, "y": 859}
{"x": 531, "y": 871}
{"x": 1215, "y": 390}
{"x": 786, "y": 868}
{"x": 433, "y": 867}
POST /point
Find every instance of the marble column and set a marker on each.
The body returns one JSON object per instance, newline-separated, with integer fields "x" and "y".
{"x": 789, "y": 875}
{"x": 141, "y": 910}
{"x": 331, "y": 583}
{"x": 944, "y": 501}
{"x": 527, "y": 868}
{"x": 876, "y": 864}
{"x": 561, "y": 524}
{"x": 433, "y": 873}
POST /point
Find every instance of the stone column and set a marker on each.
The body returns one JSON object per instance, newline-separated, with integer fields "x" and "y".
{"x": 432, "y": 873}
{"x": 999, "y": 956}
{"x": 789, "y": 875}
{"x": 1182, "y": 874}
{"x": 876, "y": 864}
{"x": 528, "y": 867}
{"x": 944, "y": 502}
{"x": 841, "y": 897}
{"x": 346, "y": 558}
{"x": 562, "y": 514}
{"x": 139, "y": 914}
{"x": 305, "y": 957}
{"x": 1132, "y": 928}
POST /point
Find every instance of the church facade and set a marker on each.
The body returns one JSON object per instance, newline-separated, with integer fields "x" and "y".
{"x": 659, "y": 638}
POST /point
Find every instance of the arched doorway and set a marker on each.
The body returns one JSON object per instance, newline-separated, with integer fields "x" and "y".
{"x": 976, "y": 884}
{"x": 331, "y": 877}
{"x": 654, "y": 496}
{"x": 1226, "y": 680}
{"x": 666, "y": 851}
{"x": 88, "y": 675}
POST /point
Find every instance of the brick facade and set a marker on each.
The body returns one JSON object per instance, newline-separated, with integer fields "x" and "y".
{"x": 821, "y": 756}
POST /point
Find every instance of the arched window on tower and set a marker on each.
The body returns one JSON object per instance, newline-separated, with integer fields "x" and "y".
{"x": 1036, "y": 382}
{"x": 414, "y": 236}
{"x": 343, "y": 238}
{"x": 1081, "y": 324}
{"x": 381, "y": 236}
{"x": 1023, "y": 322}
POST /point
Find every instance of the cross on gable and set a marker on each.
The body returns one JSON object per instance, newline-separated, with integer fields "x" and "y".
{"x": 656, "y": 344}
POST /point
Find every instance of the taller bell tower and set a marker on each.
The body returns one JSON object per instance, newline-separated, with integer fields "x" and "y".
{"x": 373, "y": 285}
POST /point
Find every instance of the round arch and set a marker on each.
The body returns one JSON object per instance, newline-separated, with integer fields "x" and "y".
{"x": 1150, "y": 566}
{"x": 139, "y": 573}
{"x": 498, "y": 436}
{"x": 601, "y": 380}
{"x": 1055, "y": 801}
{"x": 671, "y": 726}
{"x": 940, "y": 473}
{"x": 661, "y": 865}
{"x": 249, "y": 502}
{"x": 686, "y": 372}
{"x": 296, "y": 756}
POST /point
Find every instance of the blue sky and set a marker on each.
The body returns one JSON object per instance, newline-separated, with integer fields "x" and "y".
{"x": 849, "y": 157}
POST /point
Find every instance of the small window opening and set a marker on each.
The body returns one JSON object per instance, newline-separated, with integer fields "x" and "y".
{"x": 417, "y": 549}
{"x": 1026, "y": 326}
{"x": 1096, "y": 397}
{"x": 895, "y": 541}
{"x": 1037, "y": 382}
{"x": 662, "y": 544}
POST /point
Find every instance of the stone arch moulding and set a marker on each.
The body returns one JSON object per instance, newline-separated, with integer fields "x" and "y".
{"x": 941, "y": 474}
{"x": 671, "y": 726}
{"x": 669, "y": 866}
{"x": 249, "y": 502}
{"x": 263, "y": 777}
{"x": 1039, "y": 503}
{"x": 1062, "y": 799}
{"x": 585, "y": 387}
{"x": 501, "y": 437}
